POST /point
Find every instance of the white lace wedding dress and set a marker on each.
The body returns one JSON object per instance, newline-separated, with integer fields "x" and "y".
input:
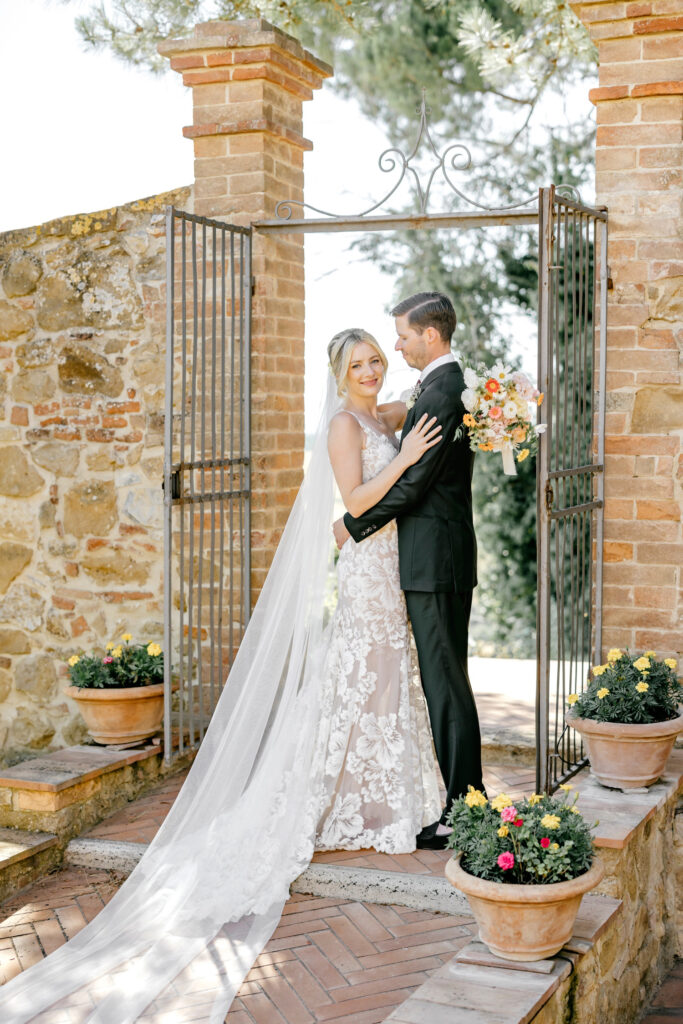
{"x": 374, "y": 755}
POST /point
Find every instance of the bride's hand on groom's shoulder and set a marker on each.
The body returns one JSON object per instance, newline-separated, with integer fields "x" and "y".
{"x": 341, "y": 534}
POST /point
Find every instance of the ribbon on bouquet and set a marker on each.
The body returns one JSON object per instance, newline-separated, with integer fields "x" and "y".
{"x": 509, "y": 467}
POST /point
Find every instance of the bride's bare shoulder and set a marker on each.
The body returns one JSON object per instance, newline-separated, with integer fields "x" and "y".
{"x": 344, "y": 427}
{"x": 393, "y": 414}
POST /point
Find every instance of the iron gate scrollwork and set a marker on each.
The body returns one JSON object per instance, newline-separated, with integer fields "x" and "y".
{"x": 570, "y": 472}
{"x": 206, "y": 466}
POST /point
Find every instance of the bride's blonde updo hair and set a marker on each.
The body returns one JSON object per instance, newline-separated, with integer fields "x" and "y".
{"x": 340, "y": 349}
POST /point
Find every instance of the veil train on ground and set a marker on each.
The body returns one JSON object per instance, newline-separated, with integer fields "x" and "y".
{"x": 207, "y": 895}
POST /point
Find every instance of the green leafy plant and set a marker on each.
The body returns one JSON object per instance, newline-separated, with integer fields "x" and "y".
{"x": 533, "y": 841}
{"x": 628, "y": 689}
{"x": 123, "y": 664}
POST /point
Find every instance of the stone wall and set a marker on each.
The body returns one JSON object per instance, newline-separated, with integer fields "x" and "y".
{"x": 639, "y": 177}
{"x": 82, "y": 336}
{"x": 615, "y": 980}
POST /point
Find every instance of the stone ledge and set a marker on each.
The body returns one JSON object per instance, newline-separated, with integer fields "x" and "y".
{"x": 484, "y": 989}
{"x": 620, "y": 813}
{"x": 25, "y": 857}
{"x": 73, "y": 789}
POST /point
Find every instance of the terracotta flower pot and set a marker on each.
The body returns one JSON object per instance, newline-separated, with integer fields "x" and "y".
{"x": 120, "y": 715}
{"x": 523, "y": 922}
{"x": 627, "y": 756}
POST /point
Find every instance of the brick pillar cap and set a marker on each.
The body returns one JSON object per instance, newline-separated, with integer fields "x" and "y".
{"x": 249, "y": 34}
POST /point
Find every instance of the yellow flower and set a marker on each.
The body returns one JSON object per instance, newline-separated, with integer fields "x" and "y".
{"x": 110, "y": 646}
{"x": 501, "y": 801}
{"x": 650, "y": 654}
{"x": 534, "y": 799}
{"x": 550, "y": 821}
{"x": 566, "y": 786}
{"x": 670, "y": 662}
{"x": 572, "y": 698}
{"x": 117, "y": 651}
{"x": 575, "y": 810}
{"x": 642, "y": 687}
{"x": 475, "y": 798}
{"x": 154, "y": 650}
{"x": 603, "y": 692}
{"x": 614, "y": 654}
{"x": 74, "y": 660}
{"x": 523, "y": 455}
{"x": 503, "y": 831}
{"x": 540, "y": 398}
{"x": 554, "y": 846}
{"x": 641, "y": 664}
{"x": 126, "y": 637}
{"x": 599, "y": 669}
{"x": 469, "y": 420}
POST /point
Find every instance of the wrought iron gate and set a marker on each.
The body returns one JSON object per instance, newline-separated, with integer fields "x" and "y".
{"x": 570, "y": 472}
{"x": 206, "y": 466}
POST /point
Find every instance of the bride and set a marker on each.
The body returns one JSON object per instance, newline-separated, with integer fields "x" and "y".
{"x": 320, "y": 740}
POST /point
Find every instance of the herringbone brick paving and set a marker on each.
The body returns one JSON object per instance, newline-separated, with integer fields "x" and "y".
{"x": 329, "y": 960}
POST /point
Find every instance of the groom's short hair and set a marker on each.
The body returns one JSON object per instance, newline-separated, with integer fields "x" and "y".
{"x": 429, "y": 309}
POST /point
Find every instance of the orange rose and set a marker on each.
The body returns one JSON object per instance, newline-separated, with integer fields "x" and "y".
{"x": 518, "y": 435}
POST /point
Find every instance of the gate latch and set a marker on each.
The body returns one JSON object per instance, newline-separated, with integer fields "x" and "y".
{"x": 175, "y": 484}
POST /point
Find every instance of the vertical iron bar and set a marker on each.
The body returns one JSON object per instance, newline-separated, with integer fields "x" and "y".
{"x": 212, "y": 572}
{"x": 232, "y": 445}
{"x": 202, "y": 513}
{"x": 545, "y": 235}
{"x": 184, "y": 685}
{"x": 191, "y": 674}
{"x": 168, "y": 494}
{"x": 221, "y": 514}
{"x": 246, "y": 305}
{"x": 601, "y": 439}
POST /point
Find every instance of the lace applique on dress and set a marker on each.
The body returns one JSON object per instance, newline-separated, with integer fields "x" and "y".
{"x": 374, "y": 755}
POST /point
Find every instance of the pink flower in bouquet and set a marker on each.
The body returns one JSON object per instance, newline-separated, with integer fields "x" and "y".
{"x": 524, "y": 387}
{"x": 506, "y": 861}
{"x": 508, "y": 813}
{"x": 495, "y": 412}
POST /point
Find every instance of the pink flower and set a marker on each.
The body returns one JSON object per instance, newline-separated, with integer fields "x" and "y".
{"x": 506, "y": 861}
{"x": 508, "y": 813}
{"x": 518, "y": 823}
{"x": 545, "y": 842}
{"x": 107, "y": 661}
{"x": 495, "y": 412}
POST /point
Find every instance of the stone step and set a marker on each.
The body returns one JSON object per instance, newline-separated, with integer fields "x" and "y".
{"x": 24, "y": 857}
{"x": 71, "y": 790}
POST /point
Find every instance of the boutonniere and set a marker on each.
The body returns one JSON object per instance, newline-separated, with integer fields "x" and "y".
{"x": 413, "y": 395}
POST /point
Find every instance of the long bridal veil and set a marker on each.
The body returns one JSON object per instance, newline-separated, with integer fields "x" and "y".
{"x": 207, "y": 895}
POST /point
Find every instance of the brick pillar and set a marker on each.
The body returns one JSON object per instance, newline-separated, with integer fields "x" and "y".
{"x": 249, "y": 81}
{"x": 639, "y": 154}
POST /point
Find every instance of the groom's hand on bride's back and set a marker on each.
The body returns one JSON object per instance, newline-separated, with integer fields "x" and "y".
{"x": 341, "y": 534}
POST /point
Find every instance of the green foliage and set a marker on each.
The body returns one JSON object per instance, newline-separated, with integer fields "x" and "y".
{"x": 551, "y": 841}
{"x": 630, "y": 689}
{"x": 123, "y": 665}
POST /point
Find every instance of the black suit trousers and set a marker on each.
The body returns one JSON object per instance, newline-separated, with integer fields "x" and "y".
{"x": 440, "y": 622}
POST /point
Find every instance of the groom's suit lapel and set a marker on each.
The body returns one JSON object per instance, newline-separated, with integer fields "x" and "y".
{"x": 440, "y": 371}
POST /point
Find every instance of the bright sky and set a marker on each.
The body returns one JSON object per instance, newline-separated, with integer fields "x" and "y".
{"x": 84, "y": 132}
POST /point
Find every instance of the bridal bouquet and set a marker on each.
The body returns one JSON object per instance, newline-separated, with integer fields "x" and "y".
{"x": 498, "y": 417}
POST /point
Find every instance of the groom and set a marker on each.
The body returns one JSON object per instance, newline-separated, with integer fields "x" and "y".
{"x": 432, "y": 505}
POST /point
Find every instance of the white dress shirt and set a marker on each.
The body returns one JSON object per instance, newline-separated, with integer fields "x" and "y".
{"x": 440, "y": 361}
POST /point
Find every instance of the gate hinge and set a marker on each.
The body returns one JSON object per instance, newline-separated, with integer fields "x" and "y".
{"x": 253, "y": 286}
{"x": 610, "y": 282}
{"x": 175, "y": 484}
{"x": 549, "y": 496}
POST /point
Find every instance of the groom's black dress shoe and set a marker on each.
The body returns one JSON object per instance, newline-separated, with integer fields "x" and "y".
{"x": 432, "y": 842}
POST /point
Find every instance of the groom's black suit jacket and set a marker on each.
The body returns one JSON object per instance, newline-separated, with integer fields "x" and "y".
{"x": 432, "y": 501}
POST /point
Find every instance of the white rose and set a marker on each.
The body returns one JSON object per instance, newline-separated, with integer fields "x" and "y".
{"x": 469, "y": 399}
{"x": 471, "y": 378}
{"x": 541, "y": 428}
{"x": 510, "y": 411}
